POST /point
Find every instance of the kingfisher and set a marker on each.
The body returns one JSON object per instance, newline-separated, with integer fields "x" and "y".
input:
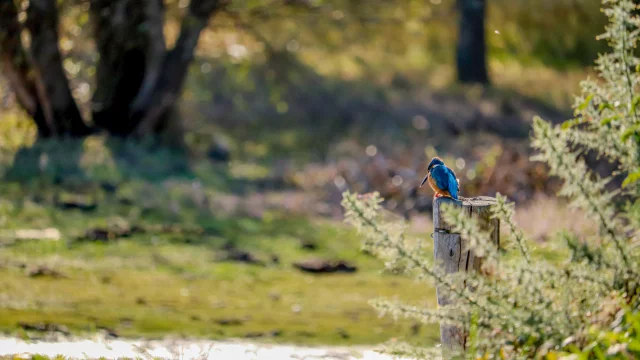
{"x": 442, "y": 179}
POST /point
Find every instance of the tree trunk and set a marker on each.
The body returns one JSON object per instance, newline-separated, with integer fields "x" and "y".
{"x": 129, "y": 39}
{"x": 471, "y": 59}
{"x": 16, "y": 67}
{"x": 42, "y": 22}
{"x": 154, "y": 108}
{"x": 138, "y": 79}
{"x": 37, "y": 76}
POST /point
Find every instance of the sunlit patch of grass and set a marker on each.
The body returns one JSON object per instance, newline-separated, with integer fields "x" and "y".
{"x": 33, "y": 357}
{"x": 551, "y": 86}
{"x": 146, "y": 286}
{"x": 157, "y": 282}
{"x": 248, "y": 170}
{"x": 16, "y": 130}
{"x": 545, "y": 217}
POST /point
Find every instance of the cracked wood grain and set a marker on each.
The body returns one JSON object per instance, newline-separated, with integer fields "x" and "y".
{"x": 452, "y": 256}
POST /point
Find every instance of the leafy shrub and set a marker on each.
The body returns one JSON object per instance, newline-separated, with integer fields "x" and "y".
{"x": 528, "y": 307}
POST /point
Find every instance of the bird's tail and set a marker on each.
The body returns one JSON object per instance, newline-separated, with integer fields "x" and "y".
{"x": 425, "y": 180}
{"x": 454, "y": 193}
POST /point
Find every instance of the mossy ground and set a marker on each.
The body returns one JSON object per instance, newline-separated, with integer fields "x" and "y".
{"x": 152, "y": 286}
{"x": 159, "y": 272}
{"x": 167, "y": 279}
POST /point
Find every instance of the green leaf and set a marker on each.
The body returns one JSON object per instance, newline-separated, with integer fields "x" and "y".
{"x": 630, "y": 131}
{"x": 634, "y": 104}
{"x": 598, "y": 353}
{"x": 571, "y": 123}
{"x": 604, "y": 106}
{"x": 631, "y": 178}
{"x": 584, "y": 104}
{"x": 608, "y": 120}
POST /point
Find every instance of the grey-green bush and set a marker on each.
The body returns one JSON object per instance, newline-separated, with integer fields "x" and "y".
{"x": 583, "y": 308}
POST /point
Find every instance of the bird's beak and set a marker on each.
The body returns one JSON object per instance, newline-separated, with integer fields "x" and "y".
{"x": 425, "y": 180}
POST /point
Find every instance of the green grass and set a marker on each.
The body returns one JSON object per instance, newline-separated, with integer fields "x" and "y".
{"x": 152, "y": 287}
{"x": 33, "y": 357}
{"x": 160, "y": 282}
{"x": 155, "y": 284}
{"x": 167, "y": 279}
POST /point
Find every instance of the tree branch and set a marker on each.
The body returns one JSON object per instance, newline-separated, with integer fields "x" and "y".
{"x": 122, "y": 40}
{"x": 42, "y": 22}
{"x": 156, "y": 50}
{"x": 18, "y": 70}
{"x": 176, "y": 64}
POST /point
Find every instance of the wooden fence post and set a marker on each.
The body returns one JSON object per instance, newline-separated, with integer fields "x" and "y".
{"x": 450, "y": 254}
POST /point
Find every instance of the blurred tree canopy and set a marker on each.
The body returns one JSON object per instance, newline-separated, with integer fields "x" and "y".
{"x": 137, "y": 78}
{"x": 79, "y": 66}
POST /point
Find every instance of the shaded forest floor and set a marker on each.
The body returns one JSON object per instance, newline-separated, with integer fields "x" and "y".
{"x": 106, "y": 248}
{"x": 240, "y": 233}
{"x": 135, "y": 240}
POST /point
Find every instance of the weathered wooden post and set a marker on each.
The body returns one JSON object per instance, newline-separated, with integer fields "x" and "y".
{"x": 451, "y": 254}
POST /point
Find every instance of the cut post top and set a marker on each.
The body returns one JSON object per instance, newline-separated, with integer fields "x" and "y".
{"x": 476, "y": 201}
{"x": 480, "y": 205}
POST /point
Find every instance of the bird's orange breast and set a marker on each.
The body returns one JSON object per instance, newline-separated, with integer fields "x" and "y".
{"x": 436, "y": 189}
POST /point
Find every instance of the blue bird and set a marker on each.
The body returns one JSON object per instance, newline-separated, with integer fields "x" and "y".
{"x": 442, "y": 179}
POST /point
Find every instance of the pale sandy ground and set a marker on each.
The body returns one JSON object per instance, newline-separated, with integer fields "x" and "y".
{"x": 180, "y": 349}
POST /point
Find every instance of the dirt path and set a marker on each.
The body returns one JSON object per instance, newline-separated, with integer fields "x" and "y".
{"x": 180, "y": 349}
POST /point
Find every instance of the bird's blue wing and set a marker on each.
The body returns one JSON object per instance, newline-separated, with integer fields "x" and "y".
{"x": 454, "y": 187}
{"x": 441, "y": 176}
{"x": 445, "y": 179}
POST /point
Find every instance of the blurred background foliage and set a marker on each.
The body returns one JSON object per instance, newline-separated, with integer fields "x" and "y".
{"x": 269, "y": 47}
{"x": 307, "y": 76}
{"x": 286, "y": 104}
{"x": 400, "y": 43}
